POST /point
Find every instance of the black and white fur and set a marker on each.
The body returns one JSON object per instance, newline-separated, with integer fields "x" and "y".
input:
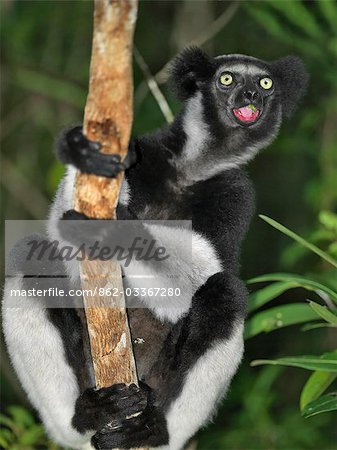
{"x": 188, "y": 170}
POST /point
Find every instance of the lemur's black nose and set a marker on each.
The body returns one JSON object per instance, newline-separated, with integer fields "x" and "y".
{"x": 251, "y": 95}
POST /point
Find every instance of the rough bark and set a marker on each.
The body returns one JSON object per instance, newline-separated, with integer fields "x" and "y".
{"x": 108, "y": 119}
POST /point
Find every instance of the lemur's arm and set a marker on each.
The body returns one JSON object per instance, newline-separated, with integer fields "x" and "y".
{"x": 73, "y": 148}
{"x": 193, "y": 267}
{"x": 222, "y": 210}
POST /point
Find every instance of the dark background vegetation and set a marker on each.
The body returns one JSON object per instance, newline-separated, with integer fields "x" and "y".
{"x": 45, "y": 61}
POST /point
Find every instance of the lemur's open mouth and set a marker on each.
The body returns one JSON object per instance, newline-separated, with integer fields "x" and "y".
{"x": 246, "y": 114}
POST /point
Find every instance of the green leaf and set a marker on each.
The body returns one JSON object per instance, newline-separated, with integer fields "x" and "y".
{"x": 299, "y": 239}
{"x": 329, "y": 220}
{"x": 304, "y": 282}
{"x": 315, "y": 326}
{"x": 278, "y": 317}
{"x": 323, "y": 312}
{"x": 3, "y": 442}
{"x": 294, "y": 251}
{"x": 332, "y": 249}
{"x": 316, "y": 384}
{"x": 268, "y": 293}
{"x": 21, "y": 416}
{"x": 6, "y": 438}
{"x": 7, "y": 421}
{"x": 326, "y": 362}
{"x": 326, "y": 403}
{"x": 33, "y": 435}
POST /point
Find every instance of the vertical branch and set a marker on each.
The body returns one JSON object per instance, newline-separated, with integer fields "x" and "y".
{"x": 108, "y": 111}
{"x": 108, "y": 119}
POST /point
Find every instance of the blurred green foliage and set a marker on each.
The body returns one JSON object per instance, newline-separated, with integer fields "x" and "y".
{"x": 21, "y": 431}
{"x": 45, "y": 50}
{"x": 324, "y": 367}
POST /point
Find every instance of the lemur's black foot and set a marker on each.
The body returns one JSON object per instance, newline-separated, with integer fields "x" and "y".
{"x": 124, "y": 416}
{"x": 149, "y": 429}
{"x": 75, "y": 149}
{"x": 95, "y": 408}
{"x": 146, "y": 429}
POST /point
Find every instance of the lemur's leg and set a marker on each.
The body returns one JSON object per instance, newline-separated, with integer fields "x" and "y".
{"x": 38, "y": 356}
{"x": 38, "y": 353}
{"x": 37, "y": 350}
{"x": 75, "y": 149}
{"x": 197, "y": 362}
{"x": 213, "y": 349}
{"x": 46, "y": 350}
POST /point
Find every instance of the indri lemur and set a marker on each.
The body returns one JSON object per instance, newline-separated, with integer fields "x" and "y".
{"x": 191, "y": 169}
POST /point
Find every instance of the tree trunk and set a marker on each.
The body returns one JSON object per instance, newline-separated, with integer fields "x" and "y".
{"x": 108, "y": 119}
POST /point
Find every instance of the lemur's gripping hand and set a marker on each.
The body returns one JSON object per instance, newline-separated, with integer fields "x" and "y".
{"x": 124, "y": 416}
{"x": 75, "y": 149}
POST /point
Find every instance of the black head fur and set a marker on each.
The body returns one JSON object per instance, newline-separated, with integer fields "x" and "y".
{"x": 190, "y": 68}
{"x": 292, "y": 79}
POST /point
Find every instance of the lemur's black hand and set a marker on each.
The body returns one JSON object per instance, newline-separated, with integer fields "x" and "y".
{"x": 123, "y": 213}
{"x": 72, "y": 214}
{"x": 75, "y": 149}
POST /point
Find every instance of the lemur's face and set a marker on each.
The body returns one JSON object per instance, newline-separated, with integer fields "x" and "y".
{"x": 245, "y": 92}
{"x": 240, "y": 93}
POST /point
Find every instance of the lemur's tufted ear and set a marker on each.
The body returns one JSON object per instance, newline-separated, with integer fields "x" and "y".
{"x": 293, "y": 79}
{"x": 191, "y": 67}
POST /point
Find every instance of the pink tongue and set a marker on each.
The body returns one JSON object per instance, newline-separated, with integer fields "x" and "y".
{"x": 246, "y": 112}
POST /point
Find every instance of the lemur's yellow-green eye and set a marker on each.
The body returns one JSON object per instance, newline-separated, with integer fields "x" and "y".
{"x": 266, "y": 83}
{"x": 226, "y": 79}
